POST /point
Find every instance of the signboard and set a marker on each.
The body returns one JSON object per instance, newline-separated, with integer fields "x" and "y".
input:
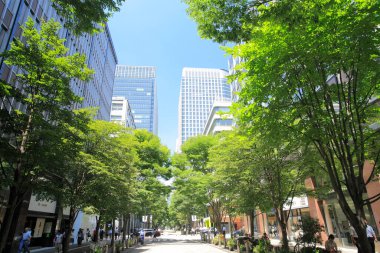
{"x": 41, "y": 205}
{"x": 39, "y": 228}
{"x": 193, "y": 218}
{"x": 207, "y": 222}
{"x": 47, "y": 228}
{"x": 297, "y": 203}
{"x": 144, "y": 218}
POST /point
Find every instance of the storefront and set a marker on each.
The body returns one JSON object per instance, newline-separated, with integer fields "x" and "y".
{"x": 42, "y": 220}
{"x": 338, "y": 224}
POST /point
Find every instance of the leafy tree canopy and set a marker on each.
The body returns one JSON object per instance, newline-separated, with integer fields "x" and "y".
{"x": 86, "y": 15}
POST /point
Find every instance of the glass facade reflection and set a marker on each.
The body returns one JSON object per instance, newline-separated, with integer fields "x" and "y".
{"x": 138, "y": 85}
{"x": 98, "y": 49}
{"x": 200, "y": 88}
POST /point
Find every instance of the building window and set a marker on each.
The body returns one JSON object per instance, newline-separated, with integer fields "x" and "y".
{"x": 2, "y": 5}
{"x": 7, "y": 20}
{"x": 115, "y": 117}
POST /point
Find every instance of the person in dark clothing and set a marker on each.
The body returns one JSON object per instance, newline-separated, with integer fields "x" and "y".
{"x": 101, "y": 234}
{"x": 80, "y": 236}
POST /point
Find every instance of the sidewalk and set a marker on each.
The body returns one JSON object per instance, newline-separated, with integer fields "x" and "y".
{"x": 74, "y": 248}
{"x": 84, "y": 248}
{"x": 277, "y": 242}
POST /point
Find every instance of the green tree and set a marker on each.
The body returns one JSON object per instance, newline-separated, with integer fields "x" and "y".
{"x": 87, "y": 16}
{"x": 259, "y": 175}
{"x": 111, "y": 194}
{"x": 197, "y": 177}
{"x": 236, "y": 176}
{"x": 189, "y": 196}
{"x": 43, "y": 91}
{"x": 153, "y": 166}
{"x": 312, "y": 66}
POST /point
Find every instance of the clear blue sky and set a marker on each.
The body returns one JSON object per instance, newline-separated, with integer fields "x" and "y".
{"x": 161, "y": 34}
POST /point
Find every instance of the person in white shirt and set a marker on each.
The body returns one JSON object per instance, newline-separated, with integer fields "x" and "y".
{"x": 25, "y": 241}
{"x": 371, "y": 236}
{"x": 58, "y": 241}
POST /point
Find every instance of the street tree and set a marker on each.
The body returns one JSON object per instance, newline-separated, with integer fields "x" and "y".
{"x": 189, "y": 196}
{"x": 87, "y": 16}
{"x": 111, "y": 192}
{"x": 237, "y": 179}
{"x": 154, "y": 167}
{"x": 312, "y": 66}
{"x": 197, "y": 151}
{"x": 43, "y": 93}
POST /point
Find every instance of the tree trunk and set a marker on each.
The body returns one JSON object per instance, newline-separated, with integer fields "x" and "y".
{"x": 96, "y": 232}
{"x": 283, "y": 226}
{"x": 11, "y": 211}
{"x": 67, "y": 238}
{"x": 14, "y": 219}
{"x": 284, "y": 234}
{"x": 252, "y": 222}
{"x": 124, "y": 231}
{"x": 113, "y": 237}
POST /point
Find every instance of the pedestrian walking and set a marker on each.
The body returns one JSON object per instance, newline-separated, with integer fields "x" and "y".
{"x": 116, "y": 233}
{"x": 142, "y": 235}
{"x": 88, "y": 235}
{"x": 371, "y": 236}
{"x": 58, "y": 239}
{"x": 109, "y": 234}
{"x": 330, "y": 245}
{"x": 354, "y": 238}
{"x": 80, "y": 236}
{"x": 25, "y": 241}
{"x": 101, "y": 234}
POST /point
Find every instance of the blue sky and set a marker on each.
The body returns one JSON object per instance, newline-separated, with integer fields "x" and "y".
{"x": 161, "y": 34}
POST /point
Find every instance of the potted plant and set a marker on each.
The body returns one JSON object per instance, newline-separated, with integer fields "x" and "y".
{"x": 231, "y": 244}
{"x": 215, "y": 240}
{"x": 118, "y": 247}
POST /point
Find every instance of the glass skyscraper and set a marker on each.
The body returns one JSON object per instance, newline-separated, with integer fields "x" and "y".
{"x": 200, "y": 88}
{"x": 138, "y": 85}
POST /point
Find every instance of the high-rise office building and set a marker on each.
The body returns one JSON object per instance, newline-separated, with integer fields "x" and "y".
{"x": 98, "y": 48}
{"x": 200, "y": 88}
{"x": 138, "y": 85}
{"x": 235, "y": 85}
{"x": 219, "y": 118}
{"x": 121, "y": 112}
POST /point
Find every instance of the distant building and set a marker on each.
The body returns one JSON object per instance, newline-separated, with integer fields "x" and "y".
{"x": 200, "y": 87}
{"x": 219, "y": 118}
{"x": 138, "y": 85}
{"x": 235, "y": 85}
{"x": 121, "y": 112}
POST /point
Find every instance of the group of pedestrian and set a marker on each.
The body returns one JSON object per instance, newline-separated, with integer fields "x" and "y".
{"x": 371, "y": 236}
{"x": 60, "y": 235}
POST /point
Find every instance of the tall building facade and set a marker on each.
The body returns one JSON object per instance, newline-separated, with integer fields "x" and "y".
{"x": 138, "y": 85}
{"x": 121, "y": 112}
{"x": 98, "y": 48}
{"x": 235, "y": 85}
{"x": 42, "y": 216}
{"x": 200, "y": 88}
{"x": 219, "y": 118}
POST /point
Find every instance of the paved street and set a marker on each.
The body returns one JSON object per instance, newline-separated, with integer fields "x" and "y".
{"x": 174, "y": 243}
{"x": 171, "y": 242}
{"x": 168, "y": 242}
